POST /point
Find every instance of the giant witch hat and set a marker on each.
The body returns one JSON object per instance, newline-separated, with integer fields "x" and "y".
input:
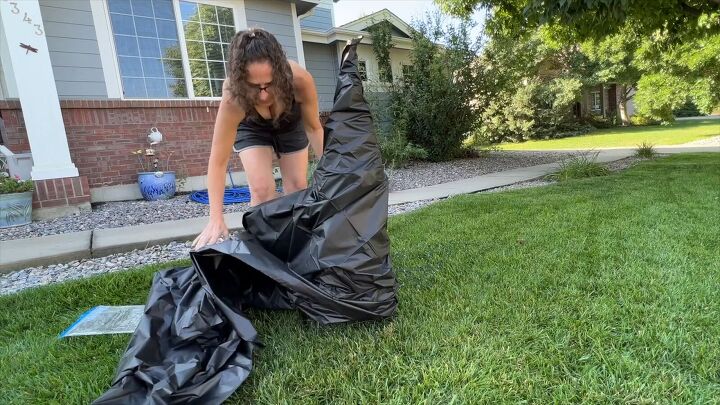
{"x": 324, "y": 250}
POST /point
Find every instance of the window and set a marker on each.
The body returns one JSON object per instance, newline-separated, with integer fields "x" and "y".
{"x": 386, "y": 75}
{"x": 406, "y": 70}
{"x": 362, "y": 70}
{"x": 208, "y": 30}
{"x": 148, "y": 49}
{"x": 148, "y": 35}
{"x": 596, "y": 101}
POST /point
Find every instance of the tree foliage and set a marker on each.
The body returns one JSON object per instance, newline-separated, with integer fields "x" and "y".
{"x": 436, "y": 103}
{"x": 381, "y": 34}
{"x": 596, "y": 18}
{"x": 666, "y": 50}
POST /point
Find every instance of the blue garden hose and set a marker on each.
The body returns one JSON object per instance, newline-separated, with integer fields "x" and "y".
{"x": 233, "y": 195}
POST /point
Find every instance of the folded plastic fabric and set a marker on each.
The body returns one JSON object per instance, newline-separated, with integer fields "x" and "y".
{"x": 324, "y": 251}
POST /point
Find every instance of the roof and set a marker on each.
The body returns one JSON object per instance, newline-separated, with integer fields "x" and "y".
{"x": 359, "y": 27}
{"x": 362, "y": 23}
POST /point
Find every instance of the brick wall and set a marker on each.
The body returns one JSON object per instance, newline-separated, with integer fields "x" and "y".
{"x": 68, "y": 191}
{"x": 102, "y": 134}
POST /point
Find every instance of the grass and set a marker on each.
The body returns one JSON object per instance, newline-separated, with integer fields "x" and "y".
{"x": 601, "y": 290}
{"x": 579, "y": 167}
{"x": 678, "y": 133}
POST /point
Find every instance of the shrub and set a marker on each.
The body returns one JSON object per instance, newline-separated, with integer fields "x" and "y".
{"x": 536, "y": 110}
{"x": 641, "y": 120}
{"x": 645, "y": 150}
{"x": 434, "y": 103}
{"x": 579, "y": 167}
{"x": 689, "y": 109}
{"x": 397, "y": 151}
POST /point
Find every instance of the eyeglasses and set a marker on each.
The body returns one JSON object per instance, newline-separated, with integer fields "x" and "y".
{"x": 259, "y": 89}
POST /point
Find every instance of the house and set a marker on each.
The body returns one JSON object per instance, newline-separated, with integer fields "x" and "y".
{"x": 82, "y": 82}
{"x": 606, "y": 101}
{"x": 602, "y": 100}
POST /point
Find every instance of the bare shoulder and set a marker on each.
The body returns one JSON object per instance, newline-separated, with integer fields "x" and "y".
{"x": 302, "y": 80}
{"x": 228, "y": 103}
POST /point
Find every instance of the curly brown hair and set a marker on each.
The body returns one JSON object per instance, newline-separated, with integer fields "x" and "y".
{"x": 258, "y": 45}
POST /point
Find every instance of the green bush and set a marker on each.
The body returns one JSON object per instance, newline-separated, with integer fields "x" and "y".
{"x": 659, "y": 94}
{"x": 641, "y": 120}
{"x": 536, "y": 110}
{"x": 599, "y": 121}
{"x": 398, "y": 152}
{"x": 434, "y": 103}
{"x": 689, "y": 109}
{"x": 579, "y": 167}
{"x": 9, "y": 185}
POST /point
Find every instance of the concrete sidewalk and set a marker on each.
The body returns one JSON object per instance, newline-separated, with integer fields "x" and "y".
{"x": 63, "y": 248}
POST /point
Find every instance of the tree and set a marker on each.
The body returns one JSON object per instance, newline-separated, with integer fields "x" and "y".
{"x": 668, "y": 50}
{"x": 381, "y": 33}
{"x": 614, "y": 57}
{"x": 596, "y": 18}
{"x": 436, "y": 103}
{"x": 677, "y": 73}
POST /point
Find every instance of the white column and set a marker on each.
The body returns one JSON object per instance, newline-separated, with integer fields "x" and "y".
{"x": 23, "y": 30}
{"x": 298, "y": 35}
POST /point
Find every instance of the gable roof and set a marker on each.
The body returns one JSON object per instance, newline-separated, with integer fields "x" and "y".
{"x": 401, "y": 31}
{"x": 362, "y": 23}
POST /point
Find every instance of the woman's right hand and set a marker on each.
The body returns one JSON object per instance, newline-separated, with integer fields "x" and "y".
{"x": 215, "y": 231}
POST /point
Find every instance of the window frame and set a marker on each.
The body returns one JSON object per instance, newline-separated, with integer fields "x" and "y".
{"x": 240, "y": 20}
{"x": 593, "y": 105}
{"x": 365, "y": 64}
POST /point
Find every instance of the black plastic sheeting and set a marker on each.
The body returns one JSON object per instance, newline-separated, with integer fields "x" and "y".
{"x": 324, "y": 250}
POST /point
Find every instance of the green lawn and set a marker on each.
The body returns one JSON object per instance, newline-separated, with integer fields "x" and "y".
{"x": 678, "y": 133}
{"x": 602, "y": 290}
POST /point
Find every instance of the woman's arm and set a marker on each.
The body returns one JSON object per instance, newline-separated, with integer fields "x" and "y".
{"x": 228, "y": 117}
{"x": 306, "y": 94}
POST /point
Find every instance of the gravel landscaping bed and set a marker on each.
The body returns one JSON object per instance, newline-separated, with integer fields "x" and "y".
{"x": 37, "y": 276}
{"x": 127, "y": 213}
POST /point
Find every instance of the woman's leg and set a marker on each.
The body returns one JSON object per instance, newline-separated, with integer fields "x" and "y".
{"x": 293, "y": 167}
{"x": 257, "y": 163}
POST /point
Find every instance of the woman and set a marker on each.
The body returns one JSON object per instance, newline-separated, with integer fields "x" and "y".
{"x": 269, "y": 105}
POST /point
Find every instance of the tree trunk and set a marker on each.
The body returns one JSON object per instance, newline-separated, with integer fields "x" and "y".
{"x": 624, "y": 118}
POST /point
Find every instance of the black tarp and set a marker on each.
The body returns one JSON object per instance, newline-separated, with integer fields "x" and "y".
{"x": 324, "y": 251}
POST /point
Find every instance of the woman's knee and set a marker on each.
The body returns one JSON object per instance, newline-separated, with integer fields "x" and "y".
{"x": 260, "y": 193}
{"x": 294, "y": 183}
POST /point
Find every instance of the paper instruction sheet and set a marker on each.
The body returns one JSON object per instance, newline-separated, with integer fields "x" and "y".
{"x": 102, "y": 320}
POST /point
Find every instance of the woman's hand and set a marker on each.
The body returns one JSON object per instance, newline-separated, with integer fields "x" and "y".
{"x": 215, "y": 231}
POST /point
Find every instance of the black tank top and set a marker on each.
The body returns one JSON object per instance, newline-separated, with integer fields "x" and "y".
{"x": 286, "y": 123}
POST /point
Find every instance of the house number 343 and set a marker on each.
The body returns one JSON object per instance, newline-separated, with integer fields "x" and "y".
{"x": 16, "y": 10}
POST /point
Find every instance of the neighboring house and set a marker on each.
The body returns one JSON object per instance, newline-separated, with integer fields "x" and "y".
{"x": 323, "y": 43}
{"x": 600, "y": 101}
{"x": 605, "y": 101}
{"x": 83, "y": 81}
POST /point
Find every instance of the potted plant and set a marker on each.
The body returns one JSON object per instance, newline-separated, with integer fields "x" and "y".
{"x": 15, "y": 200}
{"x": 155, "y": 183}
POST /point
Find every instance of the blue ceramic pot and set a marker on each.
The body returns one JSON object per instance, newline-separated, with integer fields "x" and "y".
{"x": 157, "y": 185}
{"x": 15, "y": 209}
